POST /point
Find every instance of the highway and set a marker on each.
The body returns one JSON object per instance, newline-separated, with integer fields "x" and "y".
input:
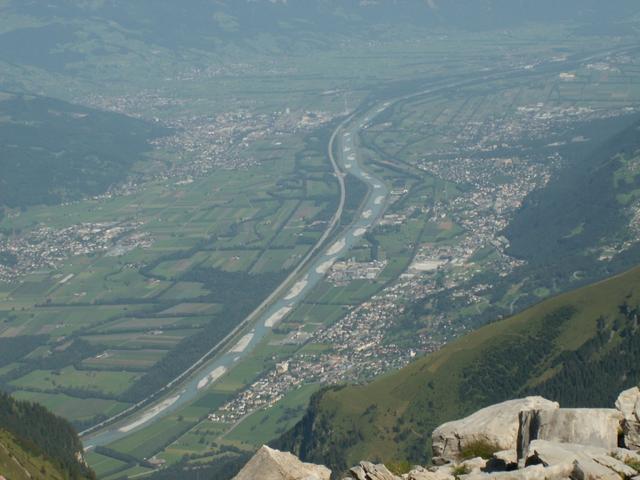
{"x": 222, "y": 356}
{"x": 344, "y": 155}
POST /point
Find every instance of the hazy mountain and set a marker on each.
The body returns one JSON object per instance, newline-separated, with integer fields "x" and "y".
{"x": 204, "y": 24}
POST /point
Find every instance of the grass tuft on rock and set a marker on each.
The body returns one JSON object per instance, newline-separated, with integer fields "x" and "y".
{"x": 480, "y": 448}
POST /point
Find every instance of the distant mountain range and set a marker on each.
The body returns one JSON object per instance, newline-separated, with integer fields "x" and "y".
{"x": 204, "y": 23}
{"x": 486, "y": 13}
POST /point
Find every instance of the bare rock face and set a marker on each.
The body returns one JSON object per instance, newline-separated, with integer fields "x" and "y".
{"x": 369, "y": 471}
{"x": 627, "y": 456}
{"x": 474, "y": 465}
{"x": 526, "y": 439}
{"x": 628, "y": 403}
{"x": 535, "y": 472}
{"x": 270, "y": 464}
{"x": 590, "y": 462}
{"x": 496, "y": 426}
{"x": 421, "y": 473}
{"x": 597, "y": 427}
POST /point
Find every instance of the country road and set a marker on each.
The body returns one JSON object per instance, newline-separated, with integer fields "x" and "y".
{"x": 278, "y": 304}
{"x": 333, "y": 244}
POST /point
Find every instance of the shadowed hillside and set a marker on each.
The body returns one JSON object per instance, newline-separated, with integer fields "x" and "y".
{"x": 42, "y": 444}
{"x": 580, "y": 349}
{"x": 52, "y": 151}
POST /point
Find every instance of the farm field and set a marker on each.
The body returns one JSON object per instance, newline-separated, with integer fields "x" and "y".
{"x": 111, "y": 322}
{"x": 185, "y": 259}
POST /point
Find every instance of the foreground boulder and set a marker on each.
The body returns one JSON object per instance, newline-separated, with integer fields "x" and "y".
{"x": 421, "y": 473}
{"x": 535, "y": 472}
{"x": 628, "y": 403}
{"x": 369, "y": 471}
{"x": 495, "y": 427}
{"x": 526, "y": 439}
{"x": 597, "y": 427}
{"x": 589, "y": 462}
{"x": 270, "y": 464}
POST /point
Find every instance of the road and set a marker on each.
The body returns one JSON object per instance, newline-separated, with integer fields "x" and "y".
{"x": 221, "y": 357}
{"x": 312, "y": 268}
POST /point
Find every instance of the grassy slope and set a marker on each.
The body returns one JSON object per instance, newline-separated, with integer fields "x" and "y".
{"x": 17, "y": 464}
{"x": 40, "y": 435}
{"x": 391, "y": 419}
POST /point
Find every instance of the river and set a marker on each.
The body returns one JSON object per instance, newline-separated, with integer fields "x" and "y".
{"x": 348, "y": 160}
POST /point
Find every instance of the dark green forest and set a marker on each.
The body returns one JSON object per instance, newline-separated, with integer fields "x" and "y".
{"x": 52, "y": 151}
{"x": 41, "y": 432}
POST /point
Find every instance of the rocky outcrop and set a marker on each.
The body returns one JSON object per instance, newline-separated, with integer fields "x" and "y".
{"x": 628, "y": 403}
{"x": 536, "y": 472}
{"x": 369, "y": 471}
{"x": 421, "y": 473}
{"x": 495, "y": 427}
{"x": 584, "y": 426}
{"x": 526, "y": 439}
{"x": 551, "y": 442}
{"x": 270, "y": 464}
{"x": 590, "y": 462}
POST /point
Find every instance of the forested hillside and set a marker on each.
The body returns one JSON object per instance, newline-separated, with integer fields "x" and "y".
{"x": 581, "y": 349}
{"x": 588, "y": 205}
{"x": 581, "y": 227}
{"x": 42, "y": 439}
{"x": 52, "y": 151}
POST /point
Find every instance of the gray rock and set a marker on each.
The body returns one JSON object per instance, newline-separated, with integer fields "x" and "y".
{"x": 421, "y": 473}
{"x": 626, "y": 456}
{"x": 358, "y": 473}
{"x": 536, "y": 472}
{"x": 628, "y": 403}
{"x": 270, "y": 464}
{"x": 369, "y": 471}
{"x": 598, "y": 427}
{"x": 616, "y": 465}
{"x": 474, "y": 465}
{"x": 590, "y": 462}
{"x": 631, "y": 432}
{"x": 496, "y": 425}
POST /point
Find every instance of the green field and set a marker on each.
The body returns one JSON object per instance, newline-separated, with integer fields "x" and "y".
{"x": 104, "y": 329}
{"x": 263, "y": 426}
{"x": 110, "y": 383}
{"x": 522, "y": 355}
{"x": 82, "y": 409}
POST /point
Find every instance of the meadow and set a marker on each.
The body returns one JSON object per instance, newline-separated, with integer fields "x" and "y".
{"x": 118, "y": 327}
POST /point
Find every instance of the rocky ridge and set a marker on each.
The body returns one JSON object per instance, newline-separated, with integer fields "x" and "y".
{"x": 524, "y": 439}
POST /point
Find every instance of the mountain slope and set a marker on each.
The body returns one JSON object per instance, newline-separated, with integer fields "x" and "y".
{"x": 16, "y": 463}
{"x": 580, "y": 348}
{"x": 40, "y": 441}
{"x": 592, "y": 198}
{"x": 52, "y": 151}
{"x": 205, "y": 24}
